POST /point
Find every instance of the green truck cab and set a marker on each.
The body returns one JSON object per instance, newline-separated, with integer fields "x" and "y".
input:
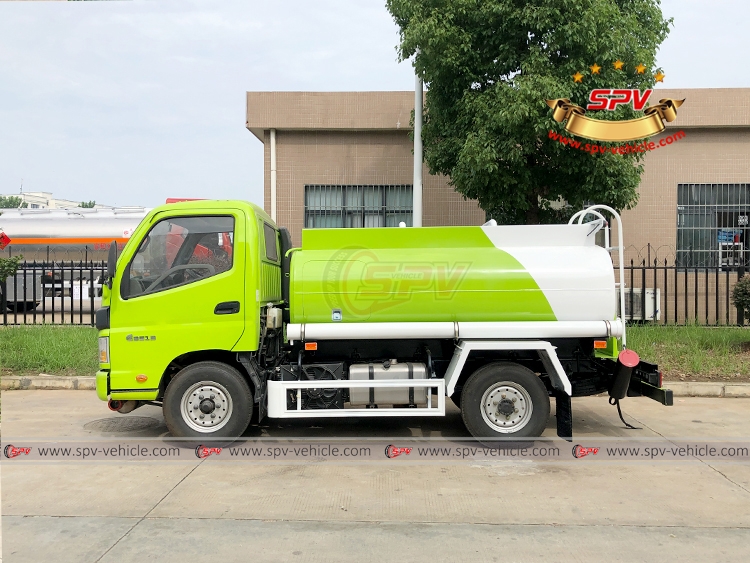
{"x": 211, "y": 314}
{"x": 188, "y": 288}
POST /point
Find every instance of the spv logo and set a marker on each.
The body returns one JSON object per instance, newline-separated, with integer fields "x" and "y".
{"x": 358, "y": 282}
{"x": 202, "y": 452}
{"x": 579, "y": 451}
{"x": 392, "y": 451}
{"x": 11, "y": 451}
{"x": 609, "y": 99}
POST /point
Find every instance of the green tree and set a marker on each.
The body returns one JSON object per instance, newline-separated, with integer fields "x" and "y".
{"x": 741, "y": 295}
{"x": 87, "y": 204}
{"x": 489, "y": 66}
{"x": 12, "y": 202}
{"x": 8, "y": 267}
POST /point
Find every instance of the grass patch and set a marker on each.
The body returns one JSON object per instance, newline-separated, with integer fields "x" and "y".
{"x": 695, "y": 353}
{"x": 684, "y": 353}
{"x": 58, "y": 350}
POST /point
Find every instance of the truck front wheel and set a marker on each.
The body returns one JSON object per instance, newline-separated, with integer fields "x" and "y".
{"x": 504, "y": 400}
{"x": 208, "y": 399}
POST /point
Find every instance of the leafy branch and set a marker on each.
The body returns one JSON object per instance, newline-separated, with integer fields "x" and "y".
{"x": 9, "y": 267}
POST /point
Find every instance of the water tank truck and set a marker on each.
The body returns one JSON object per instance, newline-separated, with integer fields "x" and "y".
{"x": 213, "y": 315}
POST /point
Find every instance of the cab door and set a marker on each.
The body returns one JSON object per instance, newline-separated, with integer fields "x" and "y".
{"x": 182, "y": 290}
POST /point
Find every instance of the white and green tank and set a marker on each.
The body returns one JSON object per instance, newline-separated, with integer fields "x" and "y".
{"x": 461, "y": 274}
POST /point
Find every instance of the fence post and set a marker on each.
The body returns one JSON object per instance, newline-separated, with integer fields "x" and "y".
{"x": 92, "y": 293}
{"x": 53, "y": 292}
{"x": 632, "y": 295}
{"x": 15, "y": 297}
{"x": 4, "y": 302}
{"x": 676, "y": 297}
{"x": 33, "y": 282}
{"x": 643, "y": 292}
{"x": 740, "y": 310}
{"x": 25, "y": 294}
{"x": 657, "y": 306}
{"x": 666, "y": 293}
{"x": 726, "y": 284}
{"x": 717, "y": 295}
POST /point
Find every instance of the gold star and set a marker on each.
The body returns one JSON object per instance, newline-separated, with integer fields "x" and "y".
{"x": 577, "y": 77}
{"x": 640, "y": 69}
{"x": 595, "y": 69}
{"x": 618, "y": 64}
{"x": 659, "y": 76}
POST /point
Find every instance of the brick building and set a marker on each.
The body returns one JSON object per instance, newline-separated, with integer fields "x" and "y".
{"x": 345, "y": 159}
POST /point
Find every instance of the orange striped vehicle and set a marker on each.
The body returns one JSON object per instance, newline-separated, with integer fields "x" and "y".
{"x": 56, "y": 235}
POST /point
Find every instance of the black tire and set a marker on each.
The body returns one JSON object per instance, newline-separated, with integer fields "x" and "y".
{"x": 223, "y": 377}
{"x": 523, "y": 384}
{"x": 456, "y": 397}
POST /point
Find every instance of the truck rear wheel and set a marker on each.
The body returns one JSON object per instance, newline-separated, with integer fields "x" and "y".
{"x": 208, "y": 399}
{"x": 505, "y": 400}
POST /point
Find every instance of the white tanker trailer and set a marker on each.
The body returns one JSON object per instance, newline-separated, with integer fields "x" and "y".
{"x": 54, "y": 235}
{"x": 50, "y": 239}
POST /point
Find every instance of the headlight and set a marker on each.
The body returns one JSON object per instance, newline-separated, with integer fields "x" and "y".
{"x": 104, "y": 350}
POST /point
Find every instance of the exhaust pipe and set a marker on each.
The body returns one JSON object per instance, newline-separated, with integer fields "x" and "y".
{"x": 626, "y": 362}
{"x": 123, "y": 407}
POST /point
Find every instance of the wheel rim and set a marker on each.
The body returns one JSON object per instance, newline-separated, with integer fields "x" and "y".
{"x": 506, "y": 407}
{"x": 203, "y": 400}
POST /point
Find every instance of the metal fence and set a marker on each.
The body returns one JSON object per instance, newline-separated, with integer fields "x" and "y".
{"x": 660, "y": 293}
{"x": 53, "y": 293}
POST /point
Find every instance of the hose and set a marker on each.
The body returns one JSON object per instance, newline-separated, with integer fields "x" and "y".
{"x": 613, "y": 401}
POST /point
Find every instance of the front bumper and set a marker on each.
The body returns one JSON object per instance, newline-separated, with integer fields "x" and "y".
{"x": 105, "y": 392}
{"x": 102, "y": 384}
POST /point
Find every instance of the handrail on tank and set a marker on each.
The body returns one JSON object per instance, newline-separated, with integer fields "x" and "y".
{"x": 620, "y": 251}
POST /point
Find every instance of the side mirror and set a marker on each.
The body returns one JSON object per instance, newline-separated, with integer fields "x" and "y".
{"x": 111, "y": 263}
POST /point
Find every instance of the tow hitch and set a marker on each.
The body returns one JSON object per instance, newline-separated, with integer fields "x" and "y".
{"x": 647, "y": 381}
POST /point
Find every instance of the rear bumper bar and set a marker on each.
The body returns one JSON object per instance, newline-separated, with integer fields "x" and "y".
{"x": 658, "y": 394}
{"x": 646, "y": 382}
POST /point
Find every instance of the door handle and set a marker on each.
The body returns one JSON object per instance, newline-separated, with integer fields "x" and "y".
{"x": 227, "y": 308}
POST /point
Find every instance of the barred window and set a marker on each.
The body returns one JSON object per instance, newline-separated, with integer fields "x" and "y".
{"x": 329, "y": 206}
{"x": 712, "y": 225}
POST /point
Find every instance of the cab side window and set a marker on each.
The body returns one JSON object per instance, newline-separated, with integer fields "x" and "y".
{"x": 181, "y": 250}
{"x": 271, "y": 238}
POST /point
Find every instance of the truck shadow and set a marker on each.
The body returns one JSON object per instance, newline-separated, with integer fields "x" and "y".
{"x": 449, "y": 426}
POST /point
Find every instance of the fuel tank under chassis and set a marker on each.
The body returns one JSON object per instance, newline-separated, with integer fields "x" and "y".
{"x": 460, "y": 274}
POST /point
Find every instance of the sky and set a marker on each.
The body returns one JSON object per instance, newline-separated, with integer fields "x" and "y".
{"x": 128, "y": 103}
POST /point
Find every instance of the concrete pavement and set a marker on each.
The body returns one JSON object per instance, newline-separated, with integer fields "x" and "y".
{"x": 336, "y": 511}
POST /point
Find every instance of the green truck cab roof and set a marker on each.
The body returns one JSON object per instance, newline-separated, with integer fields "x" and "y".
{"x": 210, "y": 204}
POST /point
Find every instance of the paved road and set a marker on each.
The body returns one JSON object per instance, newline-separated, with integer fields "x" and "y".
{"x": 505, "y": 511}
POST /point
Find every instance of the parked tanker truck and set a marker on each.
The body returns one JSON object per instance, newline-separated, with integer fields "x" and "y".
{"x": 211, "y": 314}
{"x": 50, "y": 239}
{"x": 47, "y": 235}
